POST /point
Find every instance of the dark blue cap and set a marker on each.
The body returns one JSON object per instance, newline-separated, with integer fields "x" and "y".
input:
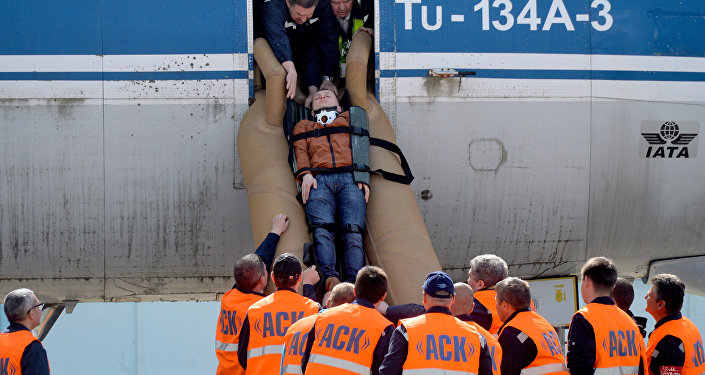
{"x": 438, "y": 284}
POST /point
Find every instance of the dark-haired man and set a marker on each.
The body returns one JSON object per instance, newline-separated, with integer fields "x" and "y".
{"x": 330, "y": 195}
{"x": 353, "y": 336}
{"x": 303, "y": 36}
{"x": 262, "y": 335}
{"x": 623, "y": 296}
{"x": 20, "y": 351}
{"x": 352, "y": 16}
{"x": 675, "y": 345}
{"x": 530, "y": 344}
{"x": 603, "y": 339}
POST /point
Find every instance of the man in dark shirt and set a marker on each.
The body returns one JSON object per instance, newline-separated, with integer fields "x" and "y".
{"x": 303, "y": 37}
{"x": 623, "y": 296}
{"x": 598, "y": 322}
{"x": 20, "y": 351}
{"x": 675, "y": 345}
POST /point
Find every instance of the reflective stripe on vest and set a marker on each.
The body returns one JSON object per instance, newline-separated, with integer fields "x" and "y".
{"x": 339, "y": 363}
{"x": 264, "y": 350}
{"x": 619, "y": 370}
{"x": 435, "y": 371}
{"x": 292, "y": 369}
{"x": 224, "y": 346}
{"x": 544, "y": 369}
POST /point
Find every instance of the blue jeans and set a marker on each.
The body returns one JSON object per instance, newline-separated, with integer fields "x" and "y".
{"x": 337, "y": 193}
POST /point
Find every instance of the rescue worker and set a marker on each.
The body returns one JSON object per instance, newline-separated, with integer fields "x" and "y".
{"x": 461, "y": 308}
{"x": 437, "y": 342}
{"x": 303, "y": 37}
{"x": 354, "y": 337}
{"x": 20, "y": 352}
{"x": 675, "y": 345}
{"x": 297, "y": 334}
{"x": 261, "y": 338}
{"x": 530, "y": 344}
{"x": 250, "y": 274}
{"x": 623, "y": 296}
{"x": 485, "y": 271}
{"x": 330, "y": 195}
{"x": 603, "y": 339}
{"x": 352, "y": 16}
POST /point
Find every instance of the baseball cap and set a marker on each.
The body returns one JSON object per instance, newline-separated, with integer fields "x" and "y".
{"x": 439, "y": 285}
{"x": 286, "y": 266}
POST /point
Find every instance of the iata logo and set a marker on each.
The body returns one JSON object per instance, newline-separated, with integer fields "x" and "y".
{"x": 670, "y": 139}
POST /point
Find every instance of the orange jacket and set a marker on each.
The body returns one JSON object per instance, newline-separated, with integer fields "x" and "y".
{"x": 268, "y": 320}
{"x": 441, "y": 342}
{"x": 346, "y": 337}
{"x": 487, "y": 298}
{"x": 549, "y": 357}
{"x": 12, "y": 346}
{"x": 316, "y": 151}
{"x": 685, "y": 330}
{"x": 295, "y": 344}
{"x": 493, "y": 345}
{"x": 619, "y": 346}
{"x": 233, "y": 308}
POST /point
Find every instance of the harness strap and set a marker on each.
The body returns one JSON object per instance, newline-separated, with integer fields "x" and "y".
{"x": 330, "y": 227}
{"x": 330, "y": 130}
{"x": 407, "y": 177}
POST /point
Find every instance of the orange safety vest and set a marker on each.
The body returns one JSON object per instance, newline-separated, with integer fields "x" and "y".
{"x": 487, "y": 299}
{"x": 12, "y": 346}
{"x": 493, "y": 347}
{"x": 295, "y": 344}
{"x": 618, "y": 344}
{"x": 233, "y": 308}
{"x": 549, "y": 357}
{"x": 685, "y": 330}
{"x": 346, "y": 338}
{"x": 440, "y": 342}
{"x": 269, "y": 319}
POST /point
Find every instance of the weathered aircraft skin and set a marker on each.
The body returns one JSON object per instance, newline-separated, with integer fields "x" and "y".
{"x": 538, "y": 130}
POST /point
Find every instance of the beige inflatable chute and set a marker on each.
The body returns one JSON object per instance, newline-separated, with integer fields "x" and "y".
{"x": 396, "y": 239}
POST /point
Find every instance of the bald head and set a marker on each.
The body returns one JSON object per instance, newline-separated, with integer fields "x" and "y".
{"x": 464, "y": 299}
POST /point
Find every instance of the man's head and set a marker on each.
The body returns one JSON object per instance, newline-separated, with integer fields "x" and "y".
{"x": 438, "y": 290}
{"x": 665, "y": 296}
{"x": 22, "y": 306}
{"x": 301, "y": 10}
{"x": 599, "y": 275}
{"x": 250, "y": 273}
{"x": 513, "y": 294}
{"x": 341, "y": 294}
{"x": 324, "y": 99}
{"x": 486, "y": 270}
{"x": 286, "y": 271}
{"x": 623, "y": 293}
{"x": 464, "y": 299}
{"x": 341, "y": 8}
{"x": 371, "y": 284}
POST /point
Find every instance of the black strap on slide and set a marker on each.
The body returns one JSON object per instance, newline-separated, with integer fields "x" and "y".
{"x": 407, "y": 177}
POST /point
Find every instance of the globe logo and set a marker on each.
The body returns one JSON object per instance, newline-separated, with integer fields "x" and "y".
{"x": 669, "y": 131}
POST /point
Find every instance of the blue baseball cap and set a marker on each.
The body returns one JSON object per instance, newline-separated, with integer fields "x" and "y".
{"x": 439, "y": 285}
